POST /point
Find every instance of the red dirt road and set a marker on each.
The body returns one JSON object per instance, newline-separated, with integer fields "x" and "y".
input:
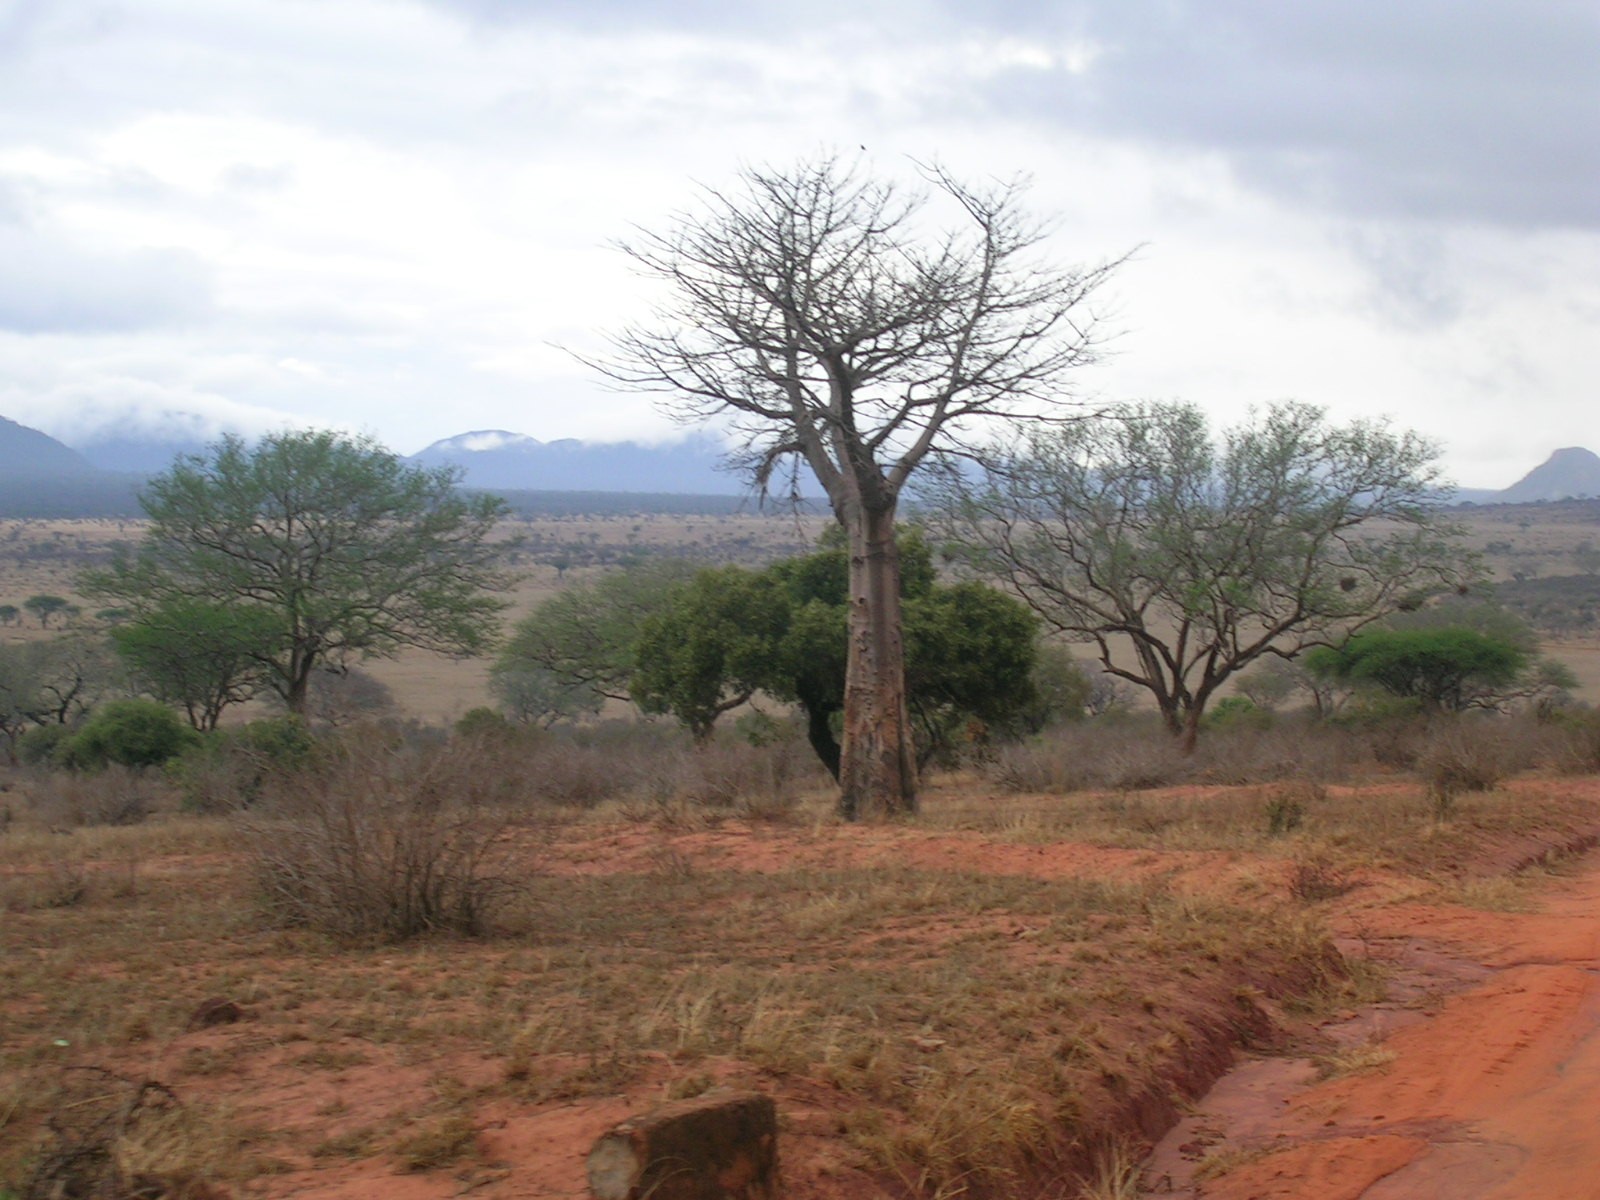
{"x": 1494, "y": 1094}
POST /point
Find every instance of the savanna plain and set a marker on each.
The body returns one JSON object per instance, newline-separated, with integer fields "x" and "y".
{"x": 1380, "y": 936}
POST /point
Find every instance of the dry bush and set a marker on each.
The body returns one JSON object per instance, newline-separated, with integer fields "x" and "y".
{"x": 112, "y": 1136}
{"x": 758, "y": 782}
{"x": 1121, "y": 754}
{"x": 117, "y": 795}
{"x": 1574, "y": 742}
{"x": 560, "y": 771}
{"x": 1461, "y": 756}
{"x": 62, "y": 884}
{"x": 1288, "y": 802}
{"x": 1315, "y": 878}
{"x": 1137, "y": 753}
{"x": 384, "y": 841}
{"x": 1293, "y": 748}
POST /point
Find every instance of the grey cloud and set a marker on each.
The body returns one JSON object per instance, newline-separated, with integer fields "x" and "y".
{"x": 1487, "y": 112}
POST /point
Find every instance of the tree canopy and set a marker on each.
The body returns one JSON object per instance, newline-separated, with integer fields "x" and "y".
{"x": 848, "y": 326}
{"x": 199, "y": 655}
{"x": 732, "y": 633}
{"x": 1184, "y": 558}
{"x": 329, "y": 547}
{"x": 575, "y": 650}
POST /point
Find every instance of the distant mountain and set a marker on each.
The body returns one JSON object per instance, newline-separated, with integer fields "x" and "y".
{"x": 40, "y": 477}
{"x": 1572, "y": 473}
{"x": 28, "y": 453}
{"x": 133, "y": 455}
{"x": 500, "y": 460}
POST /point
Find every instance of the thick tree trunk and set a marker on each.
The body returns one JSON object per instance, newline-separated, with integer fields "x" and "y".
{"x": 878, "y": 765}
{"x": 1189, "y": 735}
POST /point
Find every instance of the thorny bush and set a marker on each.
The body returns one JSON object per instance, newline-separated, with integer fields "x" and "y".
{"x": 381, "y": 840}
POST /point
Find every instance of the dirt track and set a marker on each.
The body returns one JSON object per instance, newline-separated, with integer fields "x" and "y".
{"x": 1493, "y": 1093}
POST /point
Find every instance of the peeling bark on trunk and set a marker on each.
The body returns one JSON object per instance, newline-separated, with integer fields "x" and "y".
{"x": 878, "y": 765}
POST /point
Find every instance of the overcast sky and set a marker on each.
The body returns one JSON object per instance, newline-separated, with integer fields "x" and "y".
{"x": 389, "y": 215}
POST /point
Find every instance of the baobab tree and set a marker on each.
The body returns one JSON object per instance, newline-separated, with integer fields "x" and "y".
{"x": 841, "y": 322}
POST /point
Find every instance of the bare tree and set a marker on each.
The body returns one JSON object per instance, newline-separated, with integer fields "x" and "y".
{"x": 1183, "y": 562}
{"x": 823, "y": 316}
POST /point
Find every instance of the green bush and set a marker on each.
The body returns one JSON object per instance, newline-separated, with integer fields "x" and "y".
{"x": 1237, "y": 712}
{"x": 482, "y": 721}
{"x": 130, "y": 733}
{"x": 39, "y": 745}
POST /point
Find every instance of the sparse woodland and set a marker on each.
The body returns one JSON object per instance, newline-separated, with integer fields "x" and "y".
{"x": 354, "y": 827}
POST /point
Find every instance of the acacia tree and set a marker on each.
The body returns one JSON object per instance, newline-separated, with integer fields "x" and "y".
{"x": 1450, "y": 656}
{"x": 44, "y": 607}
{"x": 1183, "y": 561}
{"x": 352, "y": 553}
{"x": 821, "y": 315}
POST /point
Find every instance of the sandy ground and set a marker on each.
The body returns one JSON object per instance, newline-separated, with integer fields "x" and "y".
{"x": 1491, "y": 1091}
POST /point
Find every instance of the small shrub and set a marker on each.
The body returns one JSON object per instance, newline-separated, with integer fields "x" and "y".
{"x": 1458, "y": 758}
{"x": 1315, "y": 879}
{"x": 1287, "y": 804}
{"x": 384, "y": 841}
{"x": 438, "y": 1143}
{"x": 482, "y": 722}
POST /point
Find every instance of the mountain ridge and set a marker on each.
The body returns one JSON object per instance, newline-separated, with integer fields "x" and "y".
{"x": 502, "y": 460}
{"x": 1571, "y": 473}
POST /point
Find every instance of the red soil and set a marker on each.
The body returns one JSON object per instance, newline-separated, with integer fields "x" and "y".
{"x": 1493, "y": 1095}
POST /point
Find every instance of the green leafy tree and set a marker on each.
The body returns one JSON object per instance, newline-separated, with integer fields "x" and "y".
{"x": 575, "y": 650}
{"x": 710, "y": 648}
{"x": 1183, "y": 559}
{"x": 858, "y": 331}
{"x": 1442, "y": 669}
{"x": 1455, "y": 655}
{"x": 354, "y": 553}
{"x": 199, "y": 655}
{"x": 10, "y": 614}
{"x": 45, "y": 607}
{"x": 785, "y": 632}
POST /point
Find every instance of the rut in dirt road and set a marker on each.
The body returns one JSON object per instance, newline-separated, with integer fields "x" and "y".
{"x": 1494, "y": 1095}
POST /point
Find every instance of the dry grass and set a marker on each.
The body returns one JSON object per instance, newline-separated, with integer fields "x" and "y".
{"x": 961, "y": 1054}
{"x": 1360, "y": 1059}
{"x": 969, "y": 1030}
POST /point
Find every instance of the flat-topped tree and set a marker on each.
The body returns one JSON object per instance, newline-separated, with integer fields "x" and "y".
{"x": 829, "y": 320}
{"x": 332, "y": 547}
